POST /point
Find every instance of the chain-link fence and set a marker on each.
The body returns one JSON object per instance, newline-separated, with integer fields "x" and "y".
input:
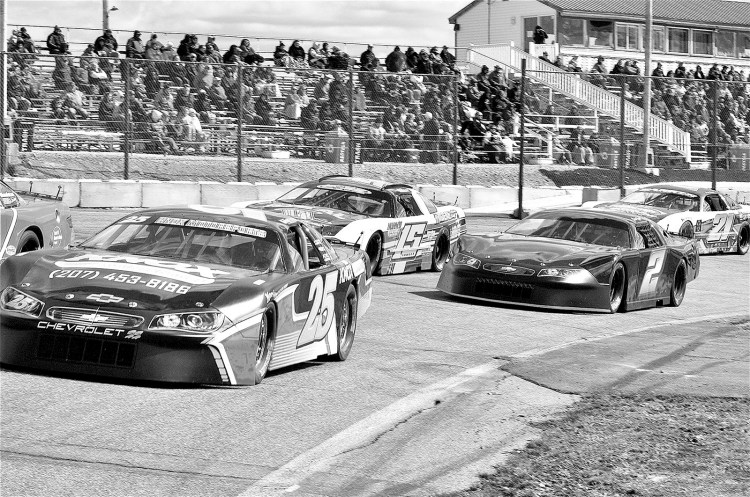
{"x": 128, "y": 114}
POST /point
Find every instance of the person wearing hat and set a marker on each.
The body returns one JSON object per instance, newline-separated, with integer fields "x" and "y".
{"x": 134, "y": 48}
{"x": 153, "y": 48}
{"x": 281, "y": 56}
{"x": 396, "y": 60}
{"x": 447, "y": 57}
{"x": 211, "y": 42}
{"x": 368, "y": 61}
{"x": 56, "y": 43}
{"x": 105, "y": 42}
{"x": 545, "y": 57}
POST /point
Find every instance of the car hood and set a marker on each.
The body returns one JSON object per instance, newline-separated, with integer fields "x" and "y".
{"x": 91, "y": 277}
{"x": 529, "y": 251}
{"x": 653, "y": 213}
{"x": 314, "y": 216}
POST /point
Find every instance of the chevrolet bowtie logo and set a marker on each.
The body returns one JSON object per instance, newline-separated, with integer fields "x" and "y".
{"x": 94, "y": 318}
{"x": 104, "y": 298}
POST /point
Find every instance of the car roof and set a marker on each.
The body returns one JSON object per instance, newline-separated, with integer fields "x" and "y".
{"x": 360, "y": 182}
{"x": 627, "y": 217}
{"x": 238, "y": 215}
{"x": 677, "y": 188}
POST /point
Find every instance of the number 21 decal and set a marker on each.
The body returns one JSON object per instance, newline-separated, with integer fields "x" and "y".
{"x": 322, "y": 316}
{"x": 722, "y": 228}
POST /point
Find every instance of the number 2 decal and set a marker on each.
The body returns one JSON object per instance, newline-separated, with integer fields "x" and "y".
{"x": 652, "y": 273}
{"x": 722, "y": 228}
{"x": 322, "y": 315}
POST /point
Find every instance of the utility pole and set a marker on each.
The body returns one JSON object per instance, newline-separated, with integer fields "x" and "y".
{"x": 105, "y": 15}
{"x": 647, "y": 86}
{"x": 3, "y": 86}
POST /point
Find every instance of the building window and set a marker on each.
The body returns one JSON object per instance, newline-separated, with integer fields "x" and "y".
{"x": 725, "y": 44}
{"x": 548, "y": 25}
{"x": 744, "y": 44}
{"x": 657, "y": 39}
{"x": 703, "y": 42}
{"x": 627, "y": 36}
{"x": 601, "y": 33}
{"x": 678, "y": 40}
{"x": 571, "y": 31}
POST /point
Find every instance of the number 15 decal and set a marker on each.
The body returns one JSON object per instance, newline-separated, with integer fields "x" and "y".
{"x": 322, "y": 317}
{"x": 411, "y": 237}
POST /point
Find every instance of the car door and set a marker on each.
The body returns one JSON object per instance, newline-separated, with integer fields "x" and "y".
{"x": 721, "y": 231}
{"x": 417, "y": 231}
{"x": 654, "y": 265}
{"x": 8, "y": 217}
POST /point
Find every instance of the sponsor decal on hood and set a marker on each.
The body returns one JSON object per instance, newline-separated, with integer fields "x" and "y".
{"x": 652, "y": 213}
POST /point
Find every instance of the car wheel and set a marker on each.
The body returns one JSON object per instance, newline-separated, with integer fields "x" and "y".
{"x": 679, "y": 284}
{"x": 374, "y": 251}
{"x": 266, "y": 339}
{"x": 743, "y": 240}
{"x": 687, "y": 230}
{"x": 347, "y": 325}
{"x": 28, "y": 242}
{"x": 440, "y": 253}
{"x": 616, "y": 288}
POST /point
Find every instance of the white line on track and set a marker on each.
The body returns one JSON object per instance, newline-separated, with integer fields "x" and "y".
{"x": 286, "y": 479}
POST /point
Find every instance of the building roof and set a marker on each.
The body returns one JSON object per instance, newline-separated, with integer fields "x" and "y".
{"x": 708, "y": 13}
{"x": 452, "y": 19}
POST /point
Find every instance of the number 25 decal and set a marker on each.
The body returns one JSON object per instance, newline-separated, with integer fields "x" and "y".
{"x": 722, "y": 228}
{"x": 322, "y": 317}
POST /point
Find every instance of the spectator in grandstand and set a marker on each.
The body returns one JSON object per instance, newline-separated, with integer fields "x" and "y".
{"x": 368, "y": 61}
{"x": 202, "y": 105}
{"x": 265, "y": 111}
{"x": 396, "y": 60}
{"x": 188, "y": 45}
{"x": 247, "y": 54}
{"x": 168, "y": 53}
{"x": 540, "y": 35}
{"x": 580, "y": 149}
{"x": 447, "y": 57}
{"x": 184, "y": 98}
{"x": 204, "y": 76}
{"x": 161, "y": 140}
{"x": 338, "y": 59}
{"x": 106, "y": 42}
{"x": 573, "y": 65}
{"x": 134, "y": 48}
{"x": 153, "y": 48}
{"x": 482, "y": 79}
{"x": 297, "y": 53}
{"x": 315, "y": 57}
{"x": 496, "y": 78}
{"x": 309, "y": 117}
{"x": 73, "y": 102}
{"x": 412, "y": 58}
{"x": 431, "y": 131}
{"x": 281, "y": 57}
{"x": 293, "y": 104}
{"x": 233, "y": 55}
{"x": 424, "y": 65}
{"x": 217, "y": 95}
{"x": 475, "y": 129}
{"x": 23, "y": 117}
{"x": 714, "y": 72}
{"x": 25, "y": 38}
{"x": 545, "y": 57}
{"x": 56, "y": 43}
{"x": 62, "y": 74}
{"x": 559, "y": 62}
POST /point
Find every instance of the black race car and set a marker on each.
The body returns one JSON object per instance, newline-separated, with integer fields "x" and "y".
{"x": 576, "y": 259}
{"x": 196, "y": 294}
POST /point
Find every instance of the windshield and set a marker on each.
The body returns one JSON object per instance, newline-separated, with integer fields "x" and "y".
{"x": 373, "y": 203}
{"x": 7, "y": 197}
{"x": 666, "y": 199}
{"x": 610, "y": 233}
{"x": 192, "y": 240}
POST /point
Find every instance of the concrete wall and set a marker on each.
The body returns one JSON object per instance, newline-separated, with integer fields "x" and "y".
{"x": 475, "y": 199}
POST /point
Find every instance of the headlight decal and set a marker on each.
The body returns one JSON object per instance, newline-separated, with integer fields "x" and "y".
{"x": 561, "y": 272}
{"x": 461, "y": 259}
{"x": 17, "y": 301}
{"x": 194, "y": 322}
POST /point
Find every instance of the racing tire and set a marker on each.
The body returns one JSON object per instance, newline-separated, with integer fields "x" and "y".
{"x": 616, "y": 288}
{"x": 440, "y": 252}
{"x": 28, "y": 242}
{"x": 743, "y": 240}
{"x": 679, "y": 284}
{"x": 266, "y": 340}
{"x": 374, "y": 250}
{"x": 687, "y": 230}
{"x": 347, "y": 326}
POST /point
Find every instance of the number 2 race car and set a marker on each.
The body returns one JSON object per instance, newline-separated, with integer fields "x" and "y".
{"x": 195, "y": 294}
{"x": 717, "y": 222}
{"x": 575, "y": 259}
{"x": 43, "y": 222}
{"x": 400, "y": 229}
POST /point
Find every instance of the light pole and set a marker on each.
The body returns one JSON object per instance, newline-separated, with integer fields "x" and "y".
{"x": 106, "y": 9}
{"x": 489, "y": 21}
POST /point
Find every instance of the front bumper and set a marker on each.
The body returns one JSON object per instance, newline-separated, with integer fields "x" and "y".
{"x": 545, "y": 292}
{"x": 132, "y": 356}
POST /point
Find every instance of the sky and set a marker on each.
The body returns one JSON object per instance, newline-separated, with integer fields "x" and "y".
{"x": 386, "y": 22}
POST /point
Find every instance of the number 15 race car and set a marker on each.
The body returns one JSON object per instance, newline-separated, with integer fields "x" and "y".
{"x": 195, "y": 294}
{"x": 400, "y": 229}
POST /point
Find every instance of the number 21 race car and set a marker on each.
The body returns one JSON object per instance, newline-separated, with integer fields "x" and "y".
{"x": 196, "y": 294}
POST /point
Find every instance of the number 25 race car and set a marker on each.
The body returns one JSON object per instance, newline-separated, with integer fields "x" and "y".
{"x": 400, "y": 229}
{"x": 195, "y": 294}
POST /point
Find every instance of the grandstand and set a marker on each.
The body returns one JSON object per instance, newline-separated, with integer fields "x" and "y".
{"x": 188, "y": 100}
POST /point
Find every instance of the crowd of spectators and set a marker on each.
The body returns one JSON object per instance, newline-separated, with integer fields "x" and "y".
{"x": 170, "y": 95}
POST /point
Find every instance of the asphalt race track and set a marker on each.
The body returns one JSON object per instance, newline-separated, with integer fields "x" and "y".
{"x": 421, "y": 405}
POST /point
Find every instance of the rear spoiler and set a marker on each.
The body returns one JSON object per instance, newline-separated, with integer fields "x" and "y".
{"x": 44, "y": 196}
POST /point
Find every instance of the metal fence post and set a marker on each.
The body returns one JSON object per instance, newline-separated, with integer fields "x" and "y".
{"x": 523, "y": 138}
{"x": 125, "y": 67}
{"x": 240, "y": 112}
{"x": 715, "y": 125}
{"x": 3, "y": 113}
{"x": 350, "y": 143}
{"x": 623, "y": 148}
{"x": 455, "y": 129}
